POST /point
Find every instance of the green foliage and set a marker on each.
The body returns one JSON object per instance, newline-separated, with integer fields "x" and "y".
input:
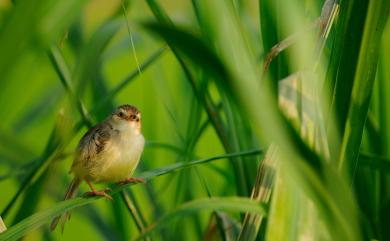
{"x": 305, "y": 143}
{"x": 36, "y": 220}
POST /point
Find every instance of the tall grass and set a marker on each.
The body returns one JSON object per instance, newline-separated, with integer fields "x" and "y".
{"x": 264, "y": 120}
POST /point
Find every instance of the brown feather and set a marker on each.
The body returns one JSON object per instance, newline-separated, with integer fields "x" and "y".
{"x": 92, "y": 143}
{"x": 70, "y": 193}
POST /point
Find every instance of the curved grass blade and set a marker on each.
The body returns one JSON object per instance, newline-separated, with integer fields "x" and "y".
{"x": 52, "y": 153}
{"x": 270, "y": 27}
{"x": 215, "y": 204}
{"x": 192, "y": 47}
{"x": 205, "y": 99}
{"x": 187, "y": 44}
{"x": 135, "y": 73}
{"x": 90, "y": 57}
{"x": 377, "y": 15}
{"x": 31, "y": 199}
{"x": 89, "y": 60}
{"x": 99, "y": 40}
{"x": 44, "y": 24}
{"x": 59, "y": 137}
{"x": 35, "y": 188}
{"x": 158, "y": 12}
{"x": 63, "y": 72}
{"x": 182, "y": 165}
{"x": 261, "y": 193}
{"x": 100, "y": 223}
{"x": 136, "y": 215}
{"x": 37, "y": 220}
{"x": 343, "y": 63}
{"x": 319, "y": 181}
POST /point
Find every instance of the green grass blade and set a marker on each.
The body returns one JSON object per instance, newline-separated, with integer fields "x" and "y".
{"x": 31, "y": 199}
{"x": 229, "y": 228}
{"x": 343, "y": 61}
{"x": 51, "y": 152}
{"x": 206, "y": 101}
{"x": 54, "y": 148}
{"x": 270, "y": 31}
{"x": 65, "y": 76}
{"x": 192, "y": 47}
{"x": 134, "y": 213}
{"x": 37, "y": 220}
{"x": 130, "y": 77}
{"x": 304, "y": 165}
{"x": 377, "y": 15}
{"x": 382, "y": 181}
{"x": 261, "y": 193}
{"x": 215, "y": 203}
{"x": 206, "y": 54}
{"x": 158, "y": 12}
{"x": 180, "y": 165}
{"x": 90, "y": 57}
{"x": 103, "y": 36}
{"x": 198, "y": 52}
{"x": 43, "y": 25}
{"x": 204, "y": 98}
{"x": 100, "y": 223}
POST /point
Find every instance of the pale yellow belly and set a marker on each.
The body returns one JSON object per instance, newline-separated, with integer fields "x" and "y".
{"x": 117, "y": 169}
{"x": 117, "y": 162}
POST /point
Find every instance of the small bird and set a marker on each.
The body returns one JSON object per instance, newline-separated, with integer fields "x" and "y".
{"x": 108, "y": 152}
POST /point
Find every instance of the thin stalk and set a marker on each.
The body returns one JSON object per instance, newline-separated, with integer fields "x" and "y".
{"x": 203, "y": 97}
{"x": 59, "y": 64}
{"x": 134, "y": 213}
{"x": 52, "y": 153}
{"x": 377, "y": 15}
{"x": 60, "y": 67}
{"x": 37, "y": 220}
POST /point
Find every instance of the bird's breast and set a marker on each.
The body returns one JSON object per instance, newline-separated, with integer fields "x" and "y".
{"x": 131, "y": 148}
{"x": 123, "y": 157}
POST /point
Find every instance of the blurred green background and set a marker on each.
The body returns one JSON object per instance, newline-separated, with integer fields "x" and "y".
{"x": 195, "y": 70}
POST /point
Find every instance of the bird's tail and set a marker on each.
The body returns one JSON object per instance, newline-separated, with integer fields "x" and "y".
{"x": 70, "y": 193}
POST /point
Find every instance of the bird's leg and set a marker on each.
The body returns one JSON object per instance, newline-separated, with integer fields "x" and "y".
{"x": 131, "y": 180}
{"x": 95, "y": 192}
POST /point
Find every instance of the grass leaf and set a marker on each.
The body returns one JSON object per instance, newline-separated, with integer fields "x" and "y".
{"x": 377, "y": 16}
{"x": 215, "y": 203}
{"x": 36, "y": 220}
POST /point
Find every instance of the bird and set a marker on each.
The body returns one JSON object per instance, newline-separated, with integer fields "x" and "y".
{"x": 109, "y": 152}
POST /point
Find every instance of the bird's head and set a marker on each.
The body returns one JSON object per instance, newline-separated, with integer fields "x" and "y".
{"x": 127, "y": 118}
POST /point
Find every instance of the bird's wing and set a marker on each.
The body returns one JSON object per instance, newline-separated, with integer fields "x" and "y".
{"x": 92, "y": 143}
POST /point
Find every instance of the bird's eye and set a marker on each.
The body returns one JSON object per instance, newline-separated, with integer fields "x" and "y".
{"x": 121, "y": 114}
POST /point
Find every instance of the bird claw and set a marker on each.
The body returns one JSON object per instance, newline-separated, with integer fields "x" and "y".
{"x": 131, "y": 180}
{"x": 99, "y": 193}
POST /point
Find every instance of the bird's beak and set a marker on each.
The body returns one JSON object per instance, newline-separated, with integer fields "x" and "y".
{"x": 138, "y": 118}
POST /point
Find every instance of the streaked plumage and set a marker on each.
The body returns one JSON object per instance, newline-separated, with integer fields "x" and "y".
{"x": 108, "y": 152}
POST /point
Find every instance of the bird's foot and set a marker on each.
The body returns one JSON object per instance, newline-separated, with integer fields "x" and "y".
{"x": 131, "y": 180}
{"x": 99, "y": 193}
